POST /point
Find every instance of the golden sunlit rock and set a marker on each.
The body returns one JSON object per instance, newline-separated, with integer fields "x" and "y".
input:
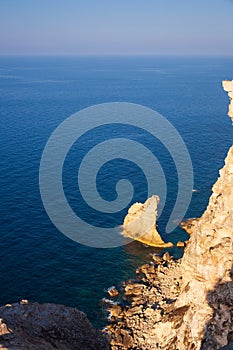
{"x": 140, "y": 223}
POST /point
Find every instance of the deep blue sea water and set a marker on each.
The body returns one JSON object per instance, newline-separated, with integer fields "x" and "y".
{"x": 36, "y": 94}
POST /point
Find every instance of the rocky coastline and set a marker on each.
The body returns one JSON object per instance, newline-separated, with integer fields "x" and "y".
{"x": 184, "y": 304}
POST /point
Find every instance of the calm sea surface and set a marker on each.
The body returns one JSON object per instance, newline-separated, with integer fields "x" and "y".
{"x": 36, "y": 94}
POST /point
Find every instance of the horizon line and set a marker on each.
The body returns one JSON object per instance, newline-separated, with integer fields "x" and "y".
{"x": 116, "y": 54}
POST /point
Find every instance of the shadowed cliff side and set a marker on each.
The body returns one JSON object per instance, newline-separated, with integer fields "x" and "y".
{"x": 33, "y": 326}
{"x": 221, "y": 301}
{"x": 186, "y": 304}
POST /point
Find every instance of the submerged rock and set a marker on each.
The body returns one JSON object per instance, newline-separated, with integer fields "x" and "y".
{"x": 140, "y": 223}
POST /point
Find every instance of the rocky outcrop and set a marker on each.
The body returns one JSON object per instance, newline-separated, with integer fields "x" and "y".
{"x": 185, "y": 304}
{"x": 145, "y": 304}
{"x": 140, "y": 223}
{"x": 228, "y": 86}
{"x": 32, "y": 326}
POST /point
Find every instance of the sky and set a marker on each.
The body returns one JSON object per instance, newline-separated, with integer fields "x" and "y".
{"x": 116, "y": 27}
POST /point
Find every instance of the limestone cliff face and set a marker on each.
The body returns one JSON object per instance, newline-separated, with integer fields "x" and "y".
{"x": 205, "y": 267}
{"x": 186, "y": 304}
{"x": 208, "y": 256}
{"x": 228, "y": 86}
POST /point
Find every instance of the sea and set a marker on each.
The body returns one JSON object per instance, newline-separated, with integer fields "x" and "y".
{"x": 37, "y": 261}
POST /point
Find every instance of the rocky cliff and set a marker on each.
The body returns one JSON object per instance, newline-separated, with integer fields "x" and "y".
{"x": 186, "y": 304}
{"x": 228, "y": 86}
{"x": 33, "y": 326}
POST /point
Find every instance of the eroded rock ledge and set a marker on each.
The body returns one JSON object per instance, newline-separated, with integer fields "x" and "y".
{"x": 185, "y": 304}
{"x": 33, "y": 326}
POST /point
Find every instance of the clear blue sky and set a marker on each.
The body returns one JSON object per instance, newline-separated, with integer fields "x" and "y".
{"x": 116, "y": 27}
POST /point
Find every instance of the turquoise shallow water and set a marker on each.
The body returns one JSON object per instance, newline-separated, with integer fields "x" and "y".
{"x": 36, "y": 94}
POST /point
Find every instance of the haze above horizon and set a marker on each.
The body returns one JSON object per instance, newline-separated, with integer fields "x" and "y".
{"x": 125, "y": 27}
